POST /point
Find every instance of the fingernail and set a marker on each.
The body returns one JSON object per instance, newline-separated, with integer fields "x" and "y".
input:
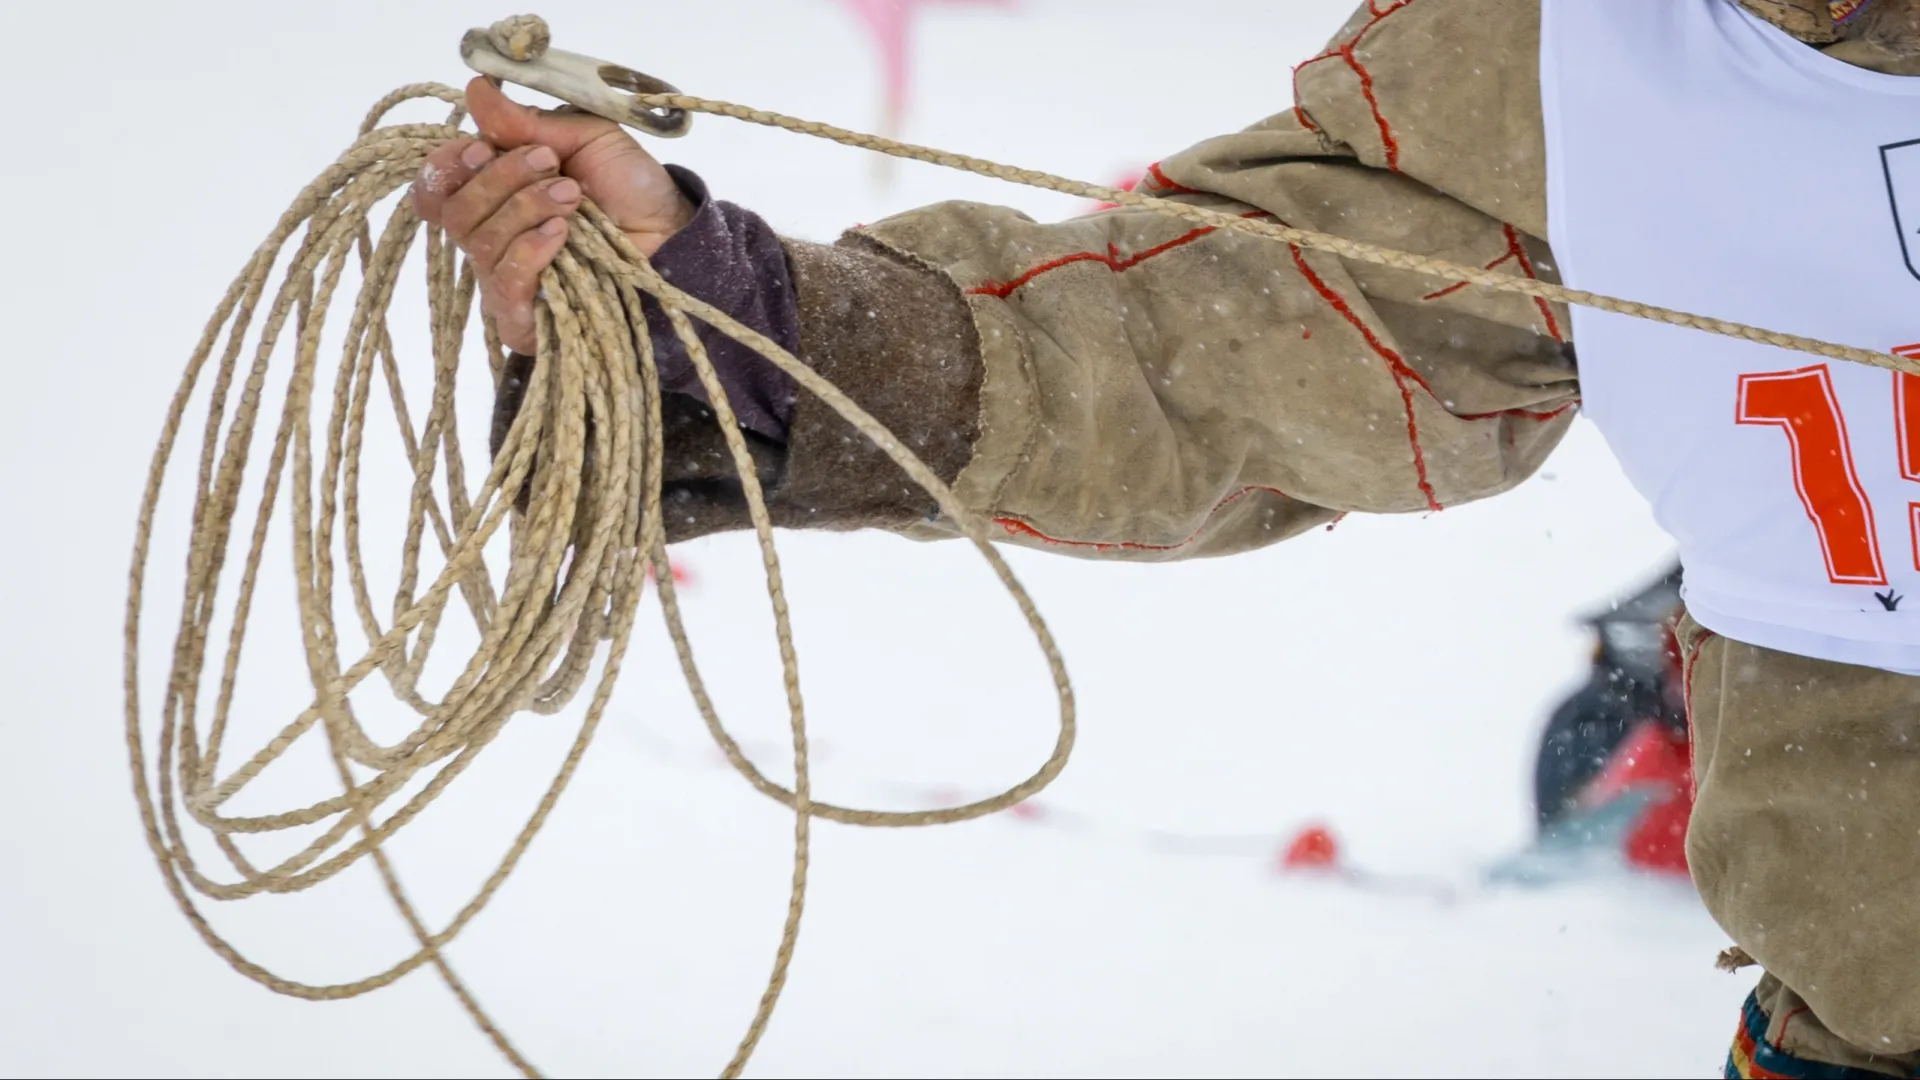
{"x": 476, "y": 155}
{"x": 563, "y": 190}
{"x": 542, "y": 158}
{"x": 553, "y": 227}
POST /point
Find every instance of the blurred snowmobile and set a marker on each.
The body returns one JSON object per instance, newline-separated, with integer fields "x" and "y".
{"x": 1612, "y": 780}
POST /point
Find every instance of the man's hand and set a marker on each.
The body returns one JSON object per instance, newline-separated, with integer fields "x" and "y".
{"x": 505, "y": 198}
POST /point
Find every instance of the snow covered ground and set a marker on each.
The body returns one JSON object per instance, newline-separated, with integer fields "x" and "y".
{"x": 1387, "y": 678}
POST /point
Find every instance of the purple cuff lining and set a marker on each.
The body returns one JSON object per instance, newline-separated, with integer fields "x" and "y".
{"x": 729, "y": 257}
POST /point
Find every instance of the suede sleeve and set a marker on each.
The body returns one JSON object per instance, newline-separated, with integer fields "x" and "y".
{"x": 1124, "y": 386}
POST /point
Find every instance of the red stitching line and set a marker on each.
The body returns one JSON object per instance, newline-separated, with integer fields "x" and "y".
{"x": 1168, "y": 187}
{"x": 1366, "y": 89}
{"x": 1299, "y": 113}
{"x": 1161, "y": 186}
{"x": 1393, "y": 359}
{"x": 1529, "y": 414}
{"x": 1345, "y": 50}
{"x": 1519, "y": 251}
{"x": 1686, "y": 686}
{"x": 1016, "y": 527}
{"x": 1784, "y": 1021}
{"x": 1516, "y": 250}
{"x": 1396, "y": 366}
{"x": 1458, "y": 285}
{"x": 1112, "y": 260}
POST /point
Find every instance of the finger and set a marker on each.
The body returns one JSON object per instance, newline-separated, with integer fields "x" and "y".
{"x": 524, "y": 210}
{"x": 515, "y": 283}
{"x": 617, "y": 172}
{"x": 496, "y": 182}
{"x": 446, "y": 170}
{"x": 509, "y": 124}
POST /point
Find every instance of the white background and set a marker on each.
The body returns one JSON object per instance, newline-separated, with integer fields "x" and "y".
{"x": 1389, "y": 678}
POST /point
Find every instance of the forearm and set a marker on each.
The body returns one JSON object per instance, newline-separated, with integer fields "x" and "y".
{"x": 1125, "y": 385}
{"x": 1152, "y": 391}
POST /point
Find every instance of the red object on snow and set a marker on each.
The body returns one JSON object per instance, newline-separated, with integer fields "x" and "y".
{"x": 1312, "y": 848}
{"x": 1659, "y": 842}
{"x": 1652, "y": 756}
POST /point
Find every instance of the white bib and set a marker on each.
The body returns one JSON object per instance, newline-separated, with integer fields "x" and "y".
{"x": 1702, "y": 159}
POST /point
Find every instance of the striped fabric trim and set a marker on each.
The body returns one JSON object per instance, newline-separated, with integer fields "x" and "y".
{"x": 1753, "y": 1058}
{"x": 1843, "y": 11}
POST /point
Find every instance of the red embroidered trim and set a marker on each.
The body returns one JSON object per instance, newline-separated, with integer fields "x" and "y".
{"x": 1516, "y": 252}
{"x": 1111, "y": 259}
{"x": 1404, "y": 377}
{"x": 1164, "y": 186}
{"x": 1529, "y": 414}
{"x": 1345, "y": 51}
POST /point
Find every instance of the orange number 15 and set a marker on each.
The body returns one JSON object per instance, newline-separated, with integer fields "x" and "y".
{"x": 1802, "y": 404}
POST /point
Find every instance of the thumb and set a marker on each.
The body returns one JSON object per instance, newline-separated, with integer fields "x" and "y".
{"x": 508, "y": 124}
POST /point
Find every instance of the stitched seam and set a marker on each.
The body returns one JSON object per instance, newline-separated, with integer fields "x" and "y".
{"x": 1345, "y": 50}
{"x": 888, "y": 250}
{"x": 1519, "y": 251}
{"x": 1387, "y": 140}
{"x": 1516, "y": 252}
{"x": 1778, "y": 1042}
{"x": 1162, "y": 185}
{"x": 1031, "y": 374}
{"x": 1458, "y": 285}
{"x": 1529, "y": 414}
{"x": 1017, "y": 527}
{"x": 1404, "y": 377}
{"x": 1111, "y": 259}
{"x": 1686, "y": 699}
{"x": 1494, "y": 265}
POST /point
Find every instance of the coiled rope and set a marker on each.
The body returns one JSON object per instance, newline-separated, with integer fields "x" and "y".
{"x": 588, "y": 450}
